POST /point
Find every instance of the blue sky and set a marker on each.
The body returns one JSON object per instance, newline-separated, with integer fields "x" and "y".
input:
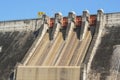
{"x": 26, "y": 9}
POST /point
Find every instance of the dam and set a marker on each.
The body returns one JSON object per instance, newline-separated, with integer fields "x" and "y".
{"x": 76, "y": 47}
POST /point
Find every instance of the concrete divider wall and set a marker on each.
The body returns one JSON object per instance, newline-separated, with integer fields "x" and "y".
{"x": 48, "y": 73}
{"x": 20, "y": 25}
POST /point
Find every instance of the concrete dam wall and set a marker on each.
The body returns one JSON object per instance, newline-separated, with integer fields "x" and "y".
{"x": 16, "y": 37}
{"x": 84, "y": 47}
{"x": 102, "y": 67}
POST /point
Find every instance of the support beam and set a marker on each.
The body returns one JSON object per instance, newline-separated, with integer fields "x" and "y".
{"x": 57, "y": 25}
{"x": 100, "y": 21}
{"x": 71, "y": 24}
{"x": 85, "y": 24}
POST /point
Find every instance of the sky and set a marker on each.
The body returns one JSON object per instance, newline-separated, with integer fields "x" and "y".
{"x": 28, "y": 9}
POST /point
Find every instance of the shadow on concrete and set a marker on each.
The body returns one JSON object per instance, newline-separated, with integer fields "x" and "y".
{"x": 77, "y": 30}
{"x": 63, "y": 30}
{"x": 50, "y": 33}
